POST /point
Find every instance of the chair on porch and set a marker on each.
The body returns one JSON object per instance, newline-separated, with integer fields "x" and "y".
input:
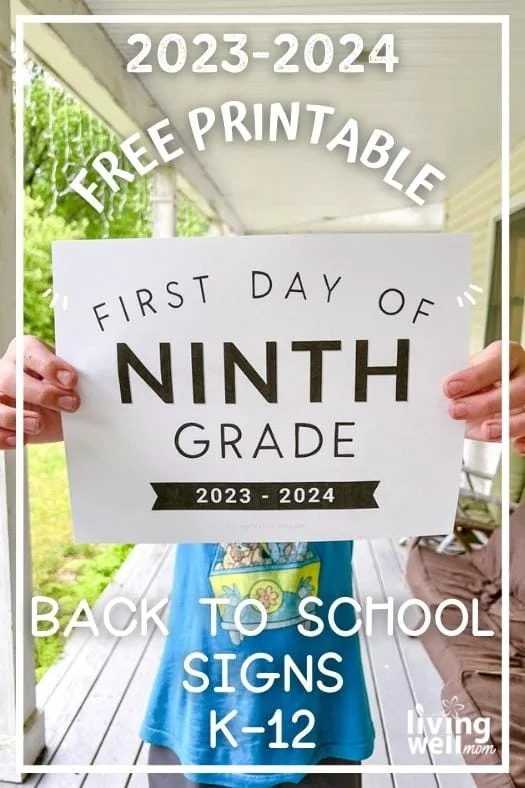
{"x": 478, "y": 513}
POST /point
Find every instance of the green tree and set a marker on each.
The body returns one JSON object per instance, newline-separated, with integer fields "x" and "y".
{"x": 61, "y": 137}
{"x": 190, "y": 222}
{"x": 39, "y": 233}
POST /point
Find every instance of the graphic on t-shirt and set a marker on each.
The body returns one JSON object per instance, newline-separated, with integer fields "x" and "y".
{"x": 276, "y": 574}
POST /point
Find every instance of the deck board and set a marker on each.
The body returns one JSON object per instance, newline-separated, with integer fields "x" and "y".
{"x": 94, "y": 677}
{"x": 97, "y": 714}
{"x": 422, "y": 676}
{"x": 121, "y": 745}
{"x": 381, "y": 754}
{"x": 394, "y": 692}
{"x": 141, "y": 564}
{"x": 95, "y": 697}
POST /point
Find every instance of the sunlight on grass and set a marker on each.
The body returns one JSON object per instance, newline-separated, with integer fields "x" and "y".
{"x": 63, "y": 570}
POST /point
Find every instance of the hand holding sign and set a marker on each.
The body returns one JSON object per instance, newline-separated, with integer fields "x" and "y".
{"x": 475, "y": 395}
{"x": 42, "y": 424}
{"x": 49, "y": 389}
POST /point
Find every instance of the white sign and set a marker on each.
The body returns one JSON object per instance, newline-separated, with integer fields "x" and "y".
{"x": 282, "y": 388}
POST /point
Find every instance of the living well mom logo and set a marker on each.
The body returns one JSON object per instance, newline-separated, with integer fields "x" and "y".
{"x": 444, "y": 732}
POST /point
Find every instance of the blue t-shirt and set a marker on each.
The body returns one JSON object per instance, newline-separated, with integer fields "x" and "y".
{"x": 291, "y": 709}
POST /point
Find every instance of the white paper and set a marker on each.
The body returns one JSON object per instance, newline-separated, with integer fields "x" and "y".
{"x": 404, "y": 474}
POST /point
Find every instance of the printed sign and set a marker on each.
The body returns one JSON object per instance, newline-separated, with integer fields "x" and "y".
{"x": 283, "y": 388}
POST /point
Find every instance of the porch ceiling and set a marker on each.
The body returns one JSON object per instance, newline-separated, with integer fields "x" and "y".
{"x": 442, "y": 102}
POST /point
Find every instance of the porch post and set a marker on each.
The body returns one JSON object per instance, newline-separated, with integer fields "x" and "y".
{"x": 34, "y": 720}
{"x": 164, "y": 199}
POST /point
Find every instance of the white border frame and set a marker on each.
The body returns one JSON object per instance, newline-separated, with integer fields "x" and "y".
{"x": 501, "y": 19}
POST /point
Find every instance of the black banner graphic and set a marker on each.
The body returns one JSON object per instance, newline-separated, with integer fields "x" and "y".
{"x": 264, "y": 496}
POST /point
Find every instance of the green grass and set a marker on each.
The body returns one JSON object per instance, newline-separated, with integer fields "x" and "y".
{"x": 62, "y": 569}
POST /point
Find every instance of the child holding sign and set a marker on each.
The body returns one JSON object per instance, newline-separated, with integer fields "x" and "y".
{"x": 289, "y": 686}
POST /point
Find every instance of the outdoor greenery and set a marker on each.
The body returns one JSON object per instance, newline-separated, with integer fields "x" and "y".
{"x": 40, "y": 230}
{"x": 62, "y": 570}
{"x": 61, "y": 136}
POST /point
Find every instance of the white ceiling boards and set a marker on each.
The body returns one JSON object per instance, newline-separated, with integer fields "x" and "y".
{"x": 442, "y": 102}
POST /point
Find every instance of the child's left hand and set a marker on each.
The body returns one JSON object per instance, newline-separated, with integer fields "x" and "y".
{"x": 475, "y": 395}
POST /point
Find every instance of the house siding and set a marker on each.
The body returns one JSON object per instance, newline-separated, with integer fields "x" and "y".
{"x": 472, "y": 210}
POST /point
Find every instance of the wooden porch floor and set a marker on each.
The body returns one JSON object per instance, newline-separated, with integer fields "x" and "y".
{"x": 95, "y": 697}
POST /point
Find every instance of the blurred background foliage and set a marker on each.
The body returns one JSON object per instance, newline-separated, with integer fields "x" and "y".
{"x": 61, "y": 137}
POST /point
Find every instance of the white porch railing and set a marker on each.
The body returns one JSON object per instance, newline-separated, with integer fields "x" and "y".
{"x": 34, "y": 721}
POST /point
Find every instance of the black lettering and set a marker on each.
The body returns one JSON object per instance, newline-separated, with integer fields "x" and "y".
{"x": 179, "y": 448}
{"x": 267, "y": 431}
{"x": 419, "y": 311}
{"x": 201, "y": 284}
{"x": 234, "y": 358}
{"x": 123, "y": 305}
{"x": 300, "y": 289}
{"x": 100, "y": 318}
{"x": 383, "y": 294}
{"x": 197, "y": 373}
{"x": 400, "y": 370}
{"x": 330, "y": 289}
{"x": 316, "y": 349}
{"x": 338, "y": 439}
{"x": 126, "y": 358}
{"x": 177, "y": 295}
{"x": 269, "y": 282}
{"x": 147, "y": 302}
{"x": 300, "y": 426}
{"x": 230, "y": 442}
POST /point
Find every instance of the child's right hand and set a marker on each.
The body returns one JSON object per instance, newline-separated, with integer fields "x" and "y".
{"x": 49, "y": 389}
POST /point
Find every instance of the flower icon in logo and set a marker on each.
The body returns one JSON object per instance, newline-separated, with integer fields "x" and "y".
{"x": 267, "y": 596}
{"x": 452, "y": 707}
